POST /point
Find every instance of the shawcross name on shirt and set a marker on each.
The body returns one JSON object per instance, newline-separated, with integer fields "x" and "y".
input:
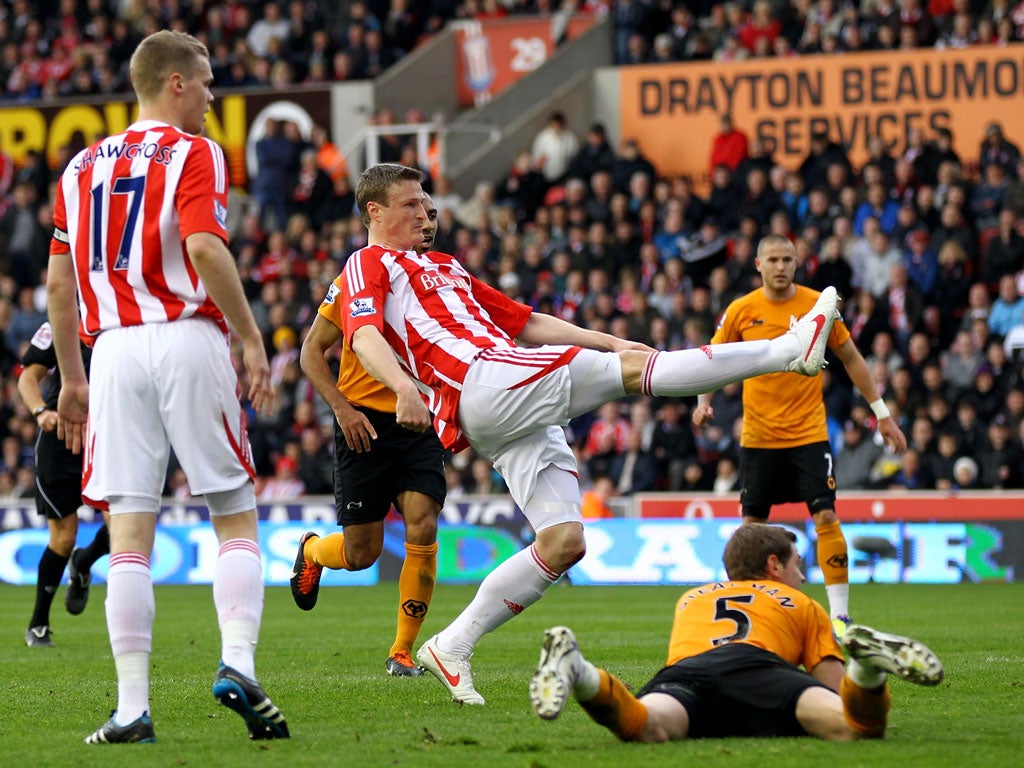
{"x": 148, "y": 149}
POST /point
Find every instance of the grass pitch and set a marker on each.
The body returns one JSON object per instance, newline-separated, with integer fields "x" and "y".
{"x": 325, "y": 670}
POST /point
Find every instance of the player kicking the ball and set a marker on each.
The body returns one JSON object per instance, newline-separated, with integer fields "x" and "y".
{"x": 446, "y": 343}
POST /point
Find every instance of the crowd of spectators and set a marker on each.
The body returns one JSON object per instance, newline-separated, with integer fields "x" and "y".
{"x": 926, "y": 247}
{"x": 75, "y": 48}
{"x": 54, "y": 48}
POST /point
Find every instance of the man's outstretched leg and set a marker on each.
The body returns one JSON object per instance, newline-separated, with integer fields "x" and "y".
{"x": 873, "y": 656}
{"x": 563, "y": 672}
{"x": 598, "y": 378}
{"x": 693, "y": 372}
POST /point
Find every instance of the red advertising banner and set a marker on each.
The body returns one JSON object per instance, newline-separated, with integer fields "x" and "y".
{"x": 492, "y": 55}
{"x": 862, "y": 507}
{"x": 674, "y": 110}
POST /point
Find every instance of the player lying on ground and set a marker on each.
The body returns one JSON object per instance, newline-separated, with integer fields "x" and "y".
{"x": 733, "y": 662}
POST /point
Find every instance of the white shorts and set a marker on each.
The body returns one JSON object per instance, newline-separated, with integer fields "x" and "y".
{"x": 153, "y": 388}
{"x": 514, "y": 404}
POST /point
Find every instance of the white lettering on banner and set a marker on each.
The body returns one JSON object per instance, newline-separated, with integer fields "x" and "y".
{"x": 479, "y": 512}
{"x": 277, "y": 513}
{"x": 318, "y": 513}
{"x": 11, "y": 544}
{"x": 22, "y": 517}
{"x": 529, "y": 53}
{"x": 620, "y": 551}
{"x": 663, "y": 553}
{"x": 937, "y": 553}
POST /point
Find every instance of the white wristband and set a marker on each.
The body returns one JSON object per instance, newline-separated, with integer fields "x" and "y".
{"x": 880, "y": 409}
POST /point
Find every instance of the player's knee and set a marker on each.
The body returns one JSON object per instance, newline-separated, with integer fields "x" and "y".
{"x": 633, "y": 362}
{"x": 561, "y": 546}
{"x": 823, "y": 514}
{"x": 422, "y": 533}
{"x": 62, "y": 541}
{"x": 361, "y": 558}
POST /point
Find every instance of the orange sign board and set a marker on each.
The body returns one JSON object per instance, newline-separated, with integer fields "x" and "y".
{"x": 674, "y": 110}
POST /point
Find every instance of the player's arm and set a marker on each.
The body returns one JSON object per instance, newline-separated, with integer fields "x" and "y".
{"x": 216, "y": 268}
{"x": 541, "y": 328}
{"x": 62, "y": 307}
{"x": 354, "y": 425}
{"x": 379, "y": 361}
{"x": 857, "y": 369}
{"x": 828, "y": 671}
{"x": 31, "y": 391}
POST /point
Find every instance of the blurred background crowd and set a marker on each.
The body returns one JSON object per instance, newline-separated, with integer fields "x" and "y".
{"x": 926, "y": 247}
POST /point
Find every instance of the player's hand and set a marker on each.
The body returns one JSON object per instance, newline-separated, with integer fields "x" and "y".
{"x": 702, "y": 414}
{"x": 625, "y": 345}
{"x": 73, "y": 414}
{"x": 47, "y": 420}
{"x": 892, "y": 436}
{"x": 356, "y": 428}
{"x": 412, "y": 413}
{"x": 262, "y": 394}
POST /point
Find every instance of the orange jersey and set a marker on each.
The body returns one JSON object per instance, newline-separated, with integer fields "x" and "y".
{"x": 780, "y": 410}
{"x": 767, "y": 614}
{"x": 358, "y": 387}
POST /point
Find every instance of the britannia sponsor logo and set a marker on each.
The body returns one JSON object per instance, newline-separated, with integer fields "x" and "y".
{"x": 431, "y": 282}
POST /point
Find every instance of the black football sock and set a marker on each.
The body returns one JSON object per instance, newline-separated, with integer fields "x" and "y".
{"x": 51, "y": 571}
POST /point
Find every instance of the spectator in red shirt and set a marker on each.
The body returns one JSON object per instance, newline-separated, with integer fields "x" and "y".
{"x": 762, "y": 24}
{"x": 729, "y": 147}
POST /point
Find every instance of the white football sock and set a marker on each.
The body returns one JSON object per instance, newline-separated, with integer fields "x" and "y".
{"x": 863, "y": 675}
{"x": 509, "y": 589}
{"x": 238, "y": 598}
{"x": 838, "y": 599}
{"x": 689, "y": 372}
{"x": 588, "y": 681}
{"x": 130, "y": 610}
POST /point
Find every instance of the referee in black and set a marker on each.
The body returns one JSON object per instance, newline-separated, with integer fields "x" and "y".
{"x": 58, "y": 491}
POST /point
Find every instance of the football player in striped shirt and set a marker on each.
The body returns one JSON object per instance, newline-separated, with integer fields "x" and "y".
{"x": 505, "y": 379}
{"x": 139, "y": 266}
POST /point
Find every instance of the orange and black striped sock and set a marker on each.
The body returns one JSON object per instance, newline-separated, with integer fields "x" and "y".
{"x": 865, "y": 709}
{"x": 328, "y": 551}
{"x": 415, "y": 588}
{"x": 616, "y": 708}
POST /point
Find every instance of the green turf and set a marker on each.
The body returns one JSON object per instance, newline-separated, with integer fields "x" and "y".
{"x": 325, "y": 670}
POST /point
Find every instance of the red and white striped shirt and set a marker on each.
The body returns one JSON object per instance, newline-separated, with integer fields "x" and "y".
{"x": 124, "y": 208}
{"x": 434, "y": 314}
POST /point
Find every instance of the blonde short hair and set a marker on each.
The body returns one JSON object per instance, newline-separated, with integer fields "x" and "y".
{"x": 161, "y": 55}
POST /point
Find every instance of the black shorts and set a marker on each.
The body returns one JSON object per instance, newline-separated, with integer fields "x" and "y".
{"x": 778, "y": 475}
{"x": 58, "y": 478}
{"x": 366, "y": 484}
{"x": 736, "y": 690}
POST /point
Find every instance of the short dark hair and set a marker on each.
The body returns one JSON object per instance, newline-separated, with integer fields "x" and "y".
{"x": 750, "y": 546}
{"x": 376, "y": 182}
